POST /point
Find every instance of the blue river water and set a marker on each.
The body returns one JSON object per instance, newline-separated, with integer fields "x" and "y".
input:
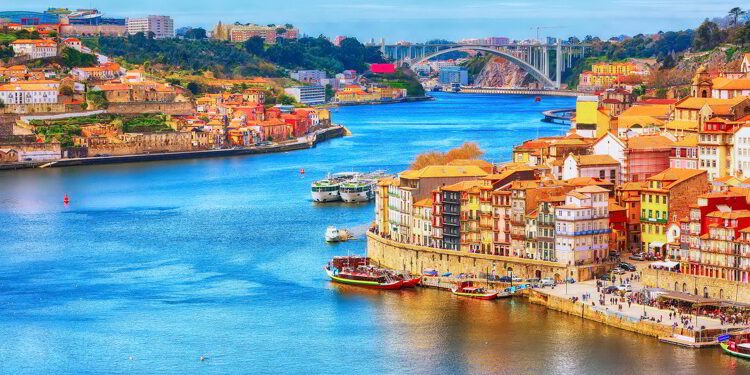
{"x": 154, "y": 265}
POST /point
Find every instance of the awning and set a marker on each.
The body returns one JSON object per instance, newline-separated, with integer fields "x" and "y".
{"x": 656, "y": 244}
{"x": 691, "y": 299}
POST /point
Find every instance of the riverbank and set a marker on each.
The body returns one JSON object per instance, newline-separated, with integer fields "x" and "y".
{"x": 309, "y": 141}
{"x": 408, "y": 99}
{"x": 504, "y": 91}
{"x": 629, "y": 317}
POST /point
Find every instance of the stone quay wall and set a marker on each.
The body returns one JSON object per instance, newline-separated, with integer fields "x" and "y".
{"x": 174, "y": 108}
{"x": 610, "y": 318}
{"x": 698, "y": 285}
{"x": 415, "y": 259}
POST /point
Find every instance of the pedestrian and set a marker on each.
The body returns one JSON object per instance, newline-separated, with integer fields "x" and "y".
{"x": 628, "y": 303}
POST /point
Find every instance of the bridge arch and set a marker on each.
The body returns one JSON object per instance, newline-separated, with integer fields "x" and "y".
{"x": 536, "y": 73}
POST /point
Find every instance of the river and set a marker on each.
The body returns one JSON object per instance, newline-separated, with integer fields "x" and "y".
{"x": 154, "y": 265}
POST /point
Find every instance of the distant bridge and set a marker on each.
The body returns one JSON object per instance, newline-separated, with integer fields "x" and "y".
{"x": 545, "y": 62}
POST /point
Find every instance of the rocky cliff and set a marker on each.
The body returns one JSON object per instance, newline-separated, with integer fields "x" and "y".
{"x": 499, "y": 72}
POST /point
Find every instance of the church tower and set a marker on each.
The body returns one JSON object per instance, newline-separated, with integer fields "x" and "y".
{"x": 702, "y": 84}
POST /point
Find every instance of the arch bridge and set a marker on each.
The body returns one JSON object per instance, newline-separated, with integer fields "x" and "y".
{"x": 545, "y": 62}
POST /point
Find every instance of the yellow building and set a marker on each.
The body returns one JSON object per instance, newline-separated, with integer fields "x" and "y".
{"x": 590, "y": 121}
{"x": 666, "y": 198}
{"x": 605, "y": 74}
{"x": 355, "y": 94}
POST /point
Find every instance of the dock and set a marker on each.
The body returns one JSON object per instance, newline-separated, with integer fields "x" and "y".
{"x": 559, "y": 116}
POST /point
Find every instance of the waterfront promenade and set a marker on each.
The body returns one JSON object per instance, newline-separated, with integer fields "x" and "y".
{"x": 301, "y": 143}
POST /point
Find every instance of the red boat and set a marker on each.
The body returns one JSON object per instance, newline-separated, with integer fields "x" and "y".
{"x": 412, "y": 282}
{"x": 364, "y": 277}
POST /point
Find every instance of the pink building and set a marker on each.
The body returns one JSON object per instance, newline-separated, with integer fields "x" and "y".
{"x": 647, "y": 155}
{"x": 685, "y": 153}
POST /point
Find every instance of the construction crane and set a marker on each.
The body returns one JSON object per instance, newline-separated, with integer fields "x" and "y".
{"x": 544, "y": 28}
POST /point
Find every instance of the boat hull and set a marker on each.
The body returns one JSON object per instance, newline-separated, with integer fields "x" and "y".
{"x": 483, "y": 296}
{"x": 725, "y": 348}
{"x": 358, "y": 197}
{"x": 326, "y": 196}
{"x": 365, "y": 284}
{"x": 413, "y": 282}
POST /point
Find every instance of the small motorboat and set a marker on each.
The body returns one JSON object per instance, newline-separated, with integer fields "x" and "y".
{"x": 334, "y": 234}
{"x": 467, "y": 290}
{"x": 430, "y": 272}
{"x": 736, "y": 344}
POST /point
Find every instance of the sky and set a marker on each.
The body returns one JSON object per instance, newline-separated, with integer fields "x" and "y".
{"x": 421, "y": 20}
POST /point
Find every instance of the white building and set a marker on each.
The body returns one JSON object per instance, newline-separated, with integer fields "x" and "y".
{"x": 603, "y": 167}
{"x": 610, "y": 144}
{"x": 741, "y": 153}
{"x": 161, "y": 26}
{"x": 582, "y": 226}
{"x": 28, "y": 93}
{"x": 308, "y": 76}
{"x": 34, "y": 48}
{"x": 309, "y": 95}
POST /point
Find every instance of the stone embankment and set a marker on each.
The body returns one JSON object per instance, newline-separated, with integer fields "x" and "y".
{"x": 300, "y": 144}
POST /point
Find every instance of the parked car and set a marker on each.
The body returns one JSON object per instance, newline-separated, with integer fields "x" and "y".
{"x": 625, "y": 288}
{"x": 627, "y": 266}
{"x": 638, "y": 256}
{"x": 604, "y": 277}
{"x": 548, "y": 281}
{"x": 610, "y": 289}
{"x": 570, "y": 280}
{"x": 516, "y": 279}
{"x": 505, "y": 279}
{"x": 618, "y": 271}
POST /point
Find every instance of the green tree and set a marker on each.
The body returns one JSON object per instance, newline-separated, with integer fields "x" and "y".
{"x": 707, "y": 36}
{"x": 198, "y": 33}
{"x": 97, "y": 99}
{"x": 286, "y": 100}
{"x": 73, "y": 58}
{"x": 736, "y": 13}
{"x": 193, "y": 87}
{"x": 254, "y": 46}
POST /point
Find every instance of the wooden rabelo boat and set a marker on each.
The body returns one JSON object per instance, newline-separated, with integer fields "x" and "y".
{"x": 736, "y": 344}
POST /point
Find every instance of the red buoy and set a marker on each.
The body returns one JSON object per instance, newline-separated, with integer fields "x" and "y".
{"x": 302, "y": 171}
{"x": 66, "y": 200}
{"x": 538, "y": 99}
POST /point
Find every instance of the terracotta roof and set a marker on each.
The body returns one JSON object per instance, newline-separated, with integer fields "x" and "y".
{"x": 591, "y": 160}
{"x": 687, "y": 141}
{"x": 653, "y": 110}
{"x": 427, "y": 202}
{"x": 723, "y": 83}
{"x": 20, "y": 86}
{"x": 730, "y": 214}
{"x": 592, "y": 189}
{"x": 698, "y": 103}
{"x": 649, "y": 142}
{"x": 37, "y": 42}
{"x": 674, "y": 176}
{"x": 463, "y": 185}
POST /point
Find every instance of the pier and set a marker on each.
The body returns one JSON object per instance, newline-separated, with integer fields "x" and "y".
{"x": 559, "y": 116}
